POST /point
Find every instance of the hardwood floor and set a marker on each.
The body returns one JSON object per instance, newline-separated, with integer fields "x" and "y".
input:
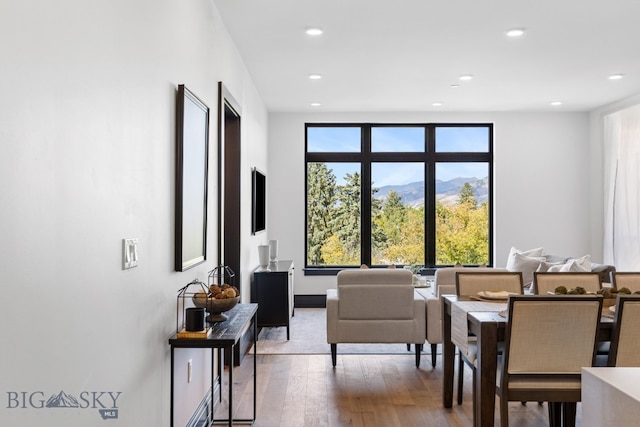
{"x": 362, "y": 390}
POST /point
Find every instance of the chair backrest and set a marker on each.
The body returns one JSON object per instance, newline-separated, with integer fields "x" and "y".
{"x": 375, "y": 293}
{"x": 445, "y": 278}
{"x": 626, "y": 279}
{"x": 625, "y": 344}
{"x": 551, "y": 334}
{"x": 545, "y": 282}
{"x": 469, "y": 284}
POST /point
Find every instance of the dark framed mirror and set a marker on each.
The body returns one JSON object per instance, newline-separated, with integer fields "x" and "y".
{"x": 192, "y": 154}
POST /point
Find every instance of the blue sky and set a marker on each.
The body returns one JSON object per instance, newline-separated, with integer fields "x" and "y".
{"x": 402, "y": 139}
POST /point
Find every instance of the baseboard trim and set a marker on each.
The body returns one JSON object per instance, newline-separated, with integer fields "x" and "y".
{"x": 201, "y": 416}
{"x": 310, "y": 301}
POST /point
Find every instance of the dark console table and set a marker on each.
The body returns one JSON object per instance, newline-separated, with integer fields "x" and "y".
{"x": 224, "y": 335}
{"x": 272, "y": 289}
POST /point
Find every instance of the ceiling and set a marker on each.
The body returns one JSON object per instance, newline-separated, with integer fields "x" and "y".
{"x": 405, "y": 55}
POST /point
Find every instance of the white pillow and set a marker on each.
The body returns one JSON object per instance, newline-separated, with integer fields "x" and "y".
{"x": 537, "y": 252}
{"x": 527, "y": 265}
{"x": 546, "y": 265}
{"x": 578, "y": 265}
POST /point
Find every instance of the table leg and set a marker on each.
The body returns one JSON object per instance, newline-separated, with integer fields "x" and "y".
{"x": 220, "y": 372}
{"x": 448, "y": 356}
{"x": 231, "y": 351}
{"x": 213, "y": 380}
{"x": 255, "y": 366}
{"x": 485, "y": 374}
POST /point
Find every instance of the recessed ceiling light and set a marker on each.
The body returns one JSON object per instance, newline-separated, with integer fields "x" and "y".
{"x": 314, "y": 31}
{"x": 515, "y": 32}
{"x": 315, "y": 104}
{"x": 466, "y": 77}
{"x": 556, "y": 103}
{"x": 455, "y": 86}
{"x": 437, "y": 104}
{"x": 616, "y": 76}
{"x": 315, "y": 76}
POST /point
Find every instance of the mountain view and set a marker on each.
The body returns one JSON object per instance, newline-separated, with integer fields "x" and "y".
{"x": 447, "y": 192}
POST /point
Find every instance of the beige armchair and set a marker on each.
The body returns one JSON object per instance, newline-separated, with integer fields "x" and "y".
{"x": 444, "y": 284}
{"x": 375, "y": 306}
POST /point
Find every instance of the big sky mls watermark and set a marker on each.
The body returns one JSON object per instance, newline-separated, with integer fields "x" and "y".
{"x": 105, "y": 402}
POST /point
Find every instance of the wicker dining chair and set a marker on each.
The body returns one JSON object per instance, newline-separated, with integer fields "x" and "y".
{"x": 626, "y": 279}
{"x": 547, "y": 342}
{"x": 468, "y": 284}
{"x": 625, "y": 343}
{"x": 546, "y": 282}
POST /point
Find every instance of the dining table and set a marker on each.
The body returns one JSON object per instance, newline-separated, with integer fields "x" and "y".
{"x": 487, "y": 322}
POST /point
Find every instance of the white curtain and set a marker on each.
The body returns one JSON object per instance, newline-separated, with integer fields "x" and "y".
{"x": 622, "y": 189}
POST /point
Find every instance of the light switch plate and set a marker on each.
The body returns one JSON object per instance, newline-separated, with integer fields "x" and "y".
{"x": 129, "y": 253}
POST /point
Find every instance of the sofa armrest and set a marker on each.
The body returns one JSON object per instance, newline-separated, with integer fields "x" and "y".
{"x": 332, "y": 316}
{"x": 434, "y": 320}
{"x": 433, "y": 316}
{"x": 419, "y": 317}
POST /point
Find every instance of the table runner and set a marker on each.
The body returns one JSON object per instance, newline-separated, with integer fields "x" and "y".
{"x": 459, "y": 323}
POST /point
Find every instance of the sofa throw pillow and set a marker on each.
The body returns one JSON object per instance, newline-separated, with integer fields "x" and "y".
{"x": 537, "y": 252}
{"x": 527, "y": 265}
{"x": 546, "y": 265}
{"x": 578, "y": 265}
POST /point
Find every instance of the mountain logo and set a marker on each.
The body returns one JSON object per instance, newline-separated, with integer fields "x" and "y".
{"x": 106, "y": 402}
{"x": 62, "y": 400}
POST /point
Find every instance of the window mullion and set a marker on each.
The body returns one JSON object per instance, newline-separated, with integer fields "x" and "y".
{"x": 365, "y": 197}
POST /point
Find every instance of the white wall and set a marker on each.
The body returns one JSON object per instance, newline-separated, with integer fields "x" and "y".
{"x": 542, "y": 179}
{"x": 87, "y": 127}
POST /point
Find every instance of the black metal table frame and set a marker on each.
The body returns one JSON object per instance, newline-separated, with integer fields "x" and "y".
{"x": 220, "y": 343}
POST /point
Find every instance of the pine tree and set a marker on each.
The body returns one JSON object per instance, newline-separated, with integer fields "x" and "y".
{"x": 346, "y": 221}
{"x": 321, "y": 198}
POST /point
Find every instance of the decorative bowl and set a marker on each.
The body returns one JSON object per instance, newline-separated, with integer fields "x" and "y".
{"x": 216, "y": 307}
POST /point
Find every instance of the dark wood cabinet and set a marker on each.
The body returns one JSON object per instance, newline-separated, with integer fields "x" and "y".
{"x": 272, "y": 289}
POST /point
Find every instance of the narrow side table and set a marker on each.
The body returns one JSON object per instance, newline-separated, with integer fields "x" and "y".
{"x": 224, "y": 335}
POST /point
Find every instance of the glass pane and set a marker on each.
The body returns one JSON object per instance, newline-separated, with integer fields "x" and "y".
{"x": 397, "y": 217}
{"x": 333, "y": 139}
{"x": 333, "y": 214}
{"x": 462, "y": 139}
{"x": 397, "y": 139}
{"x": 462, "y": 213}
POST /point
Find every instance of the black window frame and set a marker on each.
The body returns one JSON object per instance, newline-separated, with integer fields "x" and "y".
{"x": 429, "y": 157}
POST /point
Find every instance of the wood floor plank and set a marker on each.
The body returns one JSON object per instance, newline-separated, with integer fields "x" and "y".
{"x": 363, "y": 390}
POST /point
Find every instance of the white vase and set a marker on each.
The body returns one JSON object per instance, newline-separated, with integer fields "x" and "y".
{"x": 273, "y": 250}
{"x": 263, "y": 256}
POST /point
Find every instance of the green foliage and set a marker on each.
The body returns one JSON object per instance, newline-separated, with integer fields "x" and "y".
{"x": 462, "y": 233}
{"x": 321, "y": 196}
{"x": 397, "y": 230}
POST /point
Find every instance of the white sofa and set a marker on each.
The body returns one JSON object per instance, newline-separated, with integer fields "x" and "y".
{"x": 375, "y": 306}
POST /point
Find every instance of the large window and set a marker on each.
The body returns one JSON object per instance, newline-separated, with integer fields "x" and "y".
{"x": 410, "y": 194}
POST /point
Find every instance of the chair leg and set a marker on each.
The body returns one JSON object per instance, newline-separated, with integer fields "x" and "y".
{"x": 334, "y": 355}
{"x": 408, "y": 347}
{"x": 555, "y": 414}
{"x": 569, "y": 414}
{"x": 460, "y": 377}
{"x": 504, "y": 411}
{"x": 434, "y": 353}
{"x": 474, "y": 401}
{"x": 418, "y": 351}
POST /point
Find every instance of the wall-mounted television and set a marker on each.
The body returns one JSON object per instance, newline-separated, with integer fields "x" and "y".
{"x": 258, "y": 201}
